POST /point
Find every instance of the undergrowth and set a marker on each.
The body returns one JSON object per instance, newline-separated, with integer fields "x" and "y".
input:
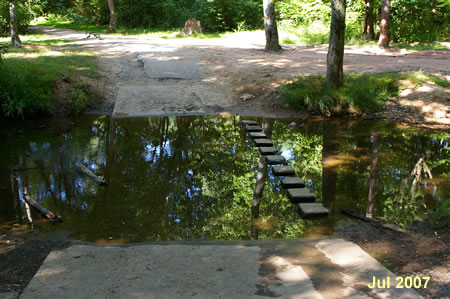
{"x": 28, "y": 75}
{"x": 361, "y": 93}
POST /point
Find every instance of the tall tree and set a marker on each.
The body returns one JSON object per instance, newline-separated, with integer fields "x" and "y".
{"x": 335, "y": 57}
{"x": 383, "y": 42}
{"x": 373, "y": 175}
{"x": 112, "y": 27}
{"x": 13, "y": 28}
{"x": 270, "y": 26}
{"x": 369, "y": 32}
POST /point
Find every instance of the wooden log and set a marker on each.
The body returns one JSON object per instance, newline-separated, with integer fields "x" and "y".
{"x": 374, "y": 221}
{"x": 84, "y": 170}
{"x": 43, "y": 211}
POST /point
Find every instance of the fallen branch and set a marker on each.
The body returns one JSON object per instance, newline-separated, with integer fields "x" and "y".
{"x": 43, "y": 211}
{"x": 83, "y": 169}
{"x": 375, "y": 221}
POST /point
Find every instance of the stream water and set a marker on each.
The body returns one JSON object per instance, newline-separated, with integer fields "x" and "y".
{"x": 193, "y": 178}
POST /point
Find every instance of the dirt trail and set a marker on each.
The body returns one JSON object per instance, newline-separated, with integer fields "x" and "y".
{"x": 156, "y": 76}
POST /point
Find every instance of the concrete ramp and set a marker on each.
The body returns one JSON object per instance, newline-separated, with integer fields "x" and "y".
{"x": 320, "y": 268}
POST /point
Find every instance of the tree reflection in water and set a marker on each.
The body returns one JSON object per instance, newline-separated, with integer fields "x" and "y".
{"x": 178, "y": 178}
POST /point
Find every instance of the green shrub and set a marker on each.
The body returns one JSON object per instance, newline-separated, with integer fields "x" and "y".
{"x": 20, "y": 90}
{"x": 363, "y": 93}
{"x": 24, "y": 16}
{"x": 79, "y": 100}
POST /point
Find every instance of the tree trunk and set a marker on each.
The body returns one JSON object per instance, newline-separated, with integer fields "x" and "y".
{"x": 261, "y": 177}
{"x": 373, "y": 175}
{"x": 383, "y": 42}
{"x": 112, "y": 17}
{"x": 270, "y": 26}
{"x": 13, "y": 28}
{"x": 368, "y": 20}
{"x": 335, "y": 57}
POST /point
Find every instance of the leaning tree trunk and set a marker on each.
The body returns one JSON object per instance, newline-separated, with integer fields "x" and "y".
{"x": 13, "y": 28}
{"x": 335, "y": 57}
{"x": 113, "y": 17}
{"x": 270, "y": 26}
{"x": 373, "y": 175}
{"x": 368, "y": 20}
{"x": 383, "y": 42}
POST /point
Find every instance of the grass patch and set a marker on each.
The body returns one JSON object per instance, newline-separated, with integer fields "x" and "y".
{"x": 420, "y": 46}
{"x": 385, "y": 262}
{"x": 28, "y": 75}
{"x": 361, "y": 93}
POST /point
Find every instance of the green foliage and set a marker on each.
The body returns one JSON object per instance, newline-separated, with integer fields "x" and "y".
{"x": 419, "y": 20}
{"x": 24, "y": 16}
{"x": 79, "y": 100}
{"x": 27, "y": 81}
{"x": 441, "y": 215}
{"x": 365, "y": 93}
{"x": 361, "y": 92}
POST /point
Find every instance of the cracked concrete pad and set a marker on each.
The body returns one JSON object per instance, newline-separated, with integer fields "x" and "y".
{"x": 359, "y": 270}
{"x": 148, "y": 271}
{"x": 170, "y": 69}
{"x": 175, "y": 99}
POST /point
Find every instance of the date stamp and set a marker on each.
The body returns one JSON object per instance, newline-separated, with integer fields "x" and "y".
{"x": 407, "y": 282}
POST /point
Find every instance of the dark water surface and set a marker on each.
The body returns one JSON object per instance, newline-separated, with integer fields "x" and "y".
{"x": 193, "y": 178}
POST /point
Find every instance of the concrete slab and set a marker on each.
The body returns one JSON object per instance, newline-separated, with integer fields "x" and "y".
{"x": 300, "y": 195}
{"x": 170, "y": 69}
{"x": 275, "y": 159}
{"x": 268, "y": 150}
{"x": 249, "y": 122}
{"x": 178, "y": 99}
{"x": 253, "y": 128}
{"x": 292, "y": 182}
{"x": 308, "y": 210}
{"x": 283, "y": 170}
{"x": 257, "y": 135}
{"x": 263, "y": 142}
{"x": 148, "y": 271}
{"x": 308, "y": 268}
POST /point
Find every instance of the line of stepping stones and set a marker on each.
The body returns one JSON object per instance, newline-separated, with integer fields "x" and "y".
{"x": 295, "y": 187}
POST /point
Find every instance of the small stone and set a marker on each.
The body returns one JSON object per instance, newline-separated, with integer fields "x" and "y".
{"x": 246, "y": 97}
{"x": 268, "y": 150}
{"x": 253, "y": 128}
{"x": 292, "y": 124}
{"x": 300, "y": 195}
{"x": 312, "y": 210}
{"x": 275, "y": 159}
{"x": 257, "y": 135}
{"x": 292, "y": 182}
{"x": 110, "y": 238}
{"x": 263, "y": 142}
{"x": 283, "y": 170}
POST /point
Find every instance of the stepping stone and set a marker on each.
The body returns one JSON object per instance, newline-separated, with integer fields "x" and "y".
{"x": 257, "y": 135}
{"x": 275, "y": 159}
{"x": 253, "y": 128}
{"x": 263, "y": 142}
{"x": 249, "y": 123}
{"x": 292, "y": 182}
{"x": 300, "y": 195}
{"x": 283, "y": 170}
{"x": 308, "y": 210}
{"x": 268, "y": 150}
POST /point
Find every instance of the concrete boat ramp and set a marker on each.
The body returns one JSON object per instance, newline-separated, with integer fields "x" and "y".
{"x": 309, "y": 268}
